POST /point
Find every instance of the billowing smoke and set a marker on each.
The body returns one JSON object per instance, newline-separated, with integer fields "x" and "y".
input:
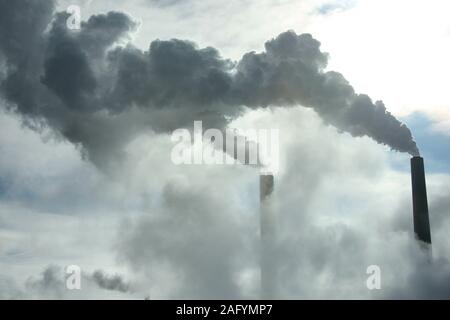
{"x": 93, "y": 88}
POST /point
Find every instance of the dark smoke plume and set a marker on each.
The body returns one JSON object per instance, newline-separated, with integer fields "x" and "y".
{"x": 108, "y": 282}
{"x": 51, "y": 283}
{"x": 99, "y": 95}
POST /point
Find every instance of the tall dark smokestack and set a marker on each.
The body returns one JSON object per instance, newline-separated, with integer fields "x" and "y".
{"x": 266, "y": 185}
{"x": 420, "y": 202}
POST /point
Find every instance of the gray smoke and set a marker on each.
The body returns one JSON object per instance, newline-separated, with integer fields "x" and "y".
{"x": 51, "y": 284}
{"x": 99, "y": 95}
{"x": 110, "y": 282}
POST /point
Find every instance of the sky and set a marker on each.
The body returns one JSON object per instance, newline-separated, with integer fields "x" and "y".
{"x": 85, "y": 171}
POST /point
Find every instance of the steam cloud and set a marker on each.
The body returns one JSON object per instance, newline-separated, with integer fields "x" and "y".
{"x": 99, "y": 95}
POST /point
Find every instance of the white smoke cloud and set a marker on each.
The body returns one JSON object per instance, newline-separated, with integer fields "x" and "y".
{"x": 194, "y": 230}
{"x": 340, "y": 207}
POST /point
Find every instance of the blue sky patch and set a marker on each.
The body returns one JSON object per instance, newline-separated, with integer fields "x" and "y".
{"x": 434, "y": 146}
{"x": 335, "y": 6}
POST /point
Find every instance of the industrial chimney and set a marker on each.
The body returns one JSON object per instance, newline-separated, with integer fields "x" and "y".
{"x": 266, "y": 185}
{"x": 420, "y": 202}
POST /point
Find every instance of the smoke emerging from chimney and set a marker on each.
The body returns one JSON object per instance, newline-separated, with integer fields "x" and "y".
{"x": 99, "y": 95}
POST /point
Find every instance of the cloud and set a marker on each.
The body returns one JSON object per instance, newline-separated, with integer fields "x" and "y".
{"x": 426, "y": 281}
{"x": 164, "y": 3}
{"x": 196, "y": 238}
{"x": 333, "y": 6}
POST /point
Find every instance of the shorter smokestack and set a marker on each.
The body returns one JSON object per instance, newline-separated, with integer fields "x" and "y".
{"x": 265, "y": 192}
{"x": 420, "y": 202}
{"x": 266, "y": 184}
